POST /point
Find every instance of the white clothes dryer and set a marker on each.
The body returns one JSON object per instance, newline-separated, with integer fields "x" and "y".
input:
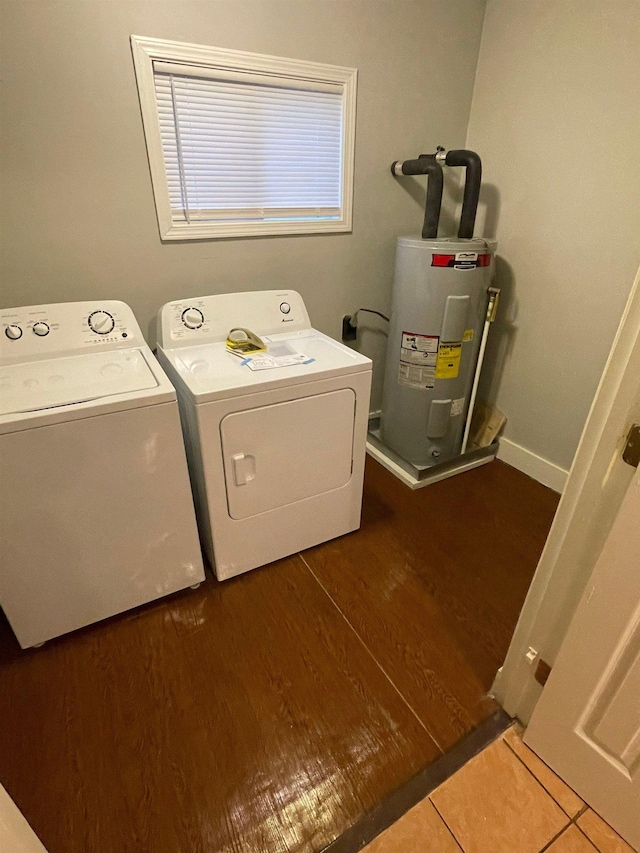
{"x": 276, "y": 451}
{"x": 96, "y": 513}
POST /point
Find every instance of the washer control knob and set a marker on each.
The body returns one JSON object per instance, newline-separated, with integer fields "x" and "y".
{"x": 285, "y": 307}
{"x": 193, "y": 318}
{"x": 101, "y": 322}
{"x": 40, "y": 329}
{"x": 13, "y": 332}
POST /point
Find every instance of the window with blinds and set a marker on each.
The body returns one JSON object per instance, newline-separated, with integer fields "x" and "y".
{"x": 244, "y": 144}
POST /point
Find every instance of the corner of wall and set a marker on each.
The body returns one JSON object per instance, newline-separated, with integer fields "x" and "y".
{"x": 540, "y": 469}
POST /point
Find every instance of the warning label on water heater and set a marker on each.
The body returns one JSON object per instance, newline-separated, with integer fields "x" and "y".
{"x": 418, "y": 359}
{"x": 420, "y": 343}
{"x": 416, "y": 377}
{"x": 448, "y": 361}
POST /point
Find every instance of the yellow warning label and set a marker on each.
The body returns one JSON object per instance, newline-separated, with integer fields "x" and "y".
{"x": 468, "y": 335}
{"x": 448, "y": 362}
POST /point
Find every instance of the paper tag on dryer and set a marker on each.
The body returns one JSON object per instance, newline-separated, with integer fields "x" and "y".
{"x": 269, "y": 362}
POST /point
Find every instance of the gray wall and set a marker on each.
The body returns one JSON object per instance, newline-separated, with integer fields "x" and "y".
{"x": 79, "y": 218}
{"x": 556, "y": 118}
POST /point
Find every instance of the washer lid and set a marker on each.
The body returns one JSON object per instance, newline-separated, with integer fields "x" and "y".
{"x": 37, "y": 385}
{"x": 211, "y": 372}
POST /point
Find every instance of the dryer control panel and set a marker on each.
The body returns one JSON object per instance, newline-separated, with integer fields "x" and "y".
{"x": 208, "y": 319}
{"x": 42, "y": 331}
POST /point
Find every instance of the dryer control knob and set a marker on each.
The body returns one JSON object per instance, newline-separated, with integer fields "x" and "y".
{"x": 13, "y": 332}
{"x": 193, "y": 318}
{"x": 285, "y": 307}
{"x": 40, "y": 329}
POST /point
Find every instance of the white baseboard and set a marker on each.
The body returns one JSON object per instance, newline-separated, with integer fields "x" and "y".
{"x": 535, "y": 466}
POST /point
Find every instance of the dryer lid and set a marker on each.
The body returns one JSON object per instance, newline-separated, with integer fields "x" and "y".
{"x": 37, "y": 385}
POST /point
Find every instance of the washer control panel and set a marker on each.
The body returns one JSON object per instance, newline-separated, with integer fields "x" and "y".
{"x": 39, "y": 331}
{"x": 209, "y": 319}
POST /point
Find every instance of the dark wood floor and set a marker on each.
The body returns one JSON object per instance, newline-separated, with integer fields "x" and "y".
{"x": 270, "y": 712}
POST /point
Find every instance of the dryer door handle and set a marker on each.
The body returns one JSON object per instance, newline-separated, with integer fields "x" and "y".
{"x": 244, "y": 468}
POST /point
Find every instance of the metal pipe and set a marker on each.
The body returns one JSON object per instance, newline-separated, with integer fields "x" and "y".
{"x": 429, "y": 167}
{"x": 492, "y": 307}
{"x": 473, "y": 179}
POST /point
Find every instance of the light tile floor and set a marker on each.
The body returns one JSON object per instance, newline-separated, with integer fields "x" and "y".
{"x": 505, "y": 800}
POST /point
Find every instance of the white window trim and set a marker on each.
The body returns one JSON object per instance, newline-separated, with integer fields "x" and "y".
{"x": 146, "y": 50}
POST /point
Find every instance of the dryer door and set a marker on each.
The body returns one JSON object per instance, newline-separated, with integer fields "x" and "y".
{"x": 276, "y": 455}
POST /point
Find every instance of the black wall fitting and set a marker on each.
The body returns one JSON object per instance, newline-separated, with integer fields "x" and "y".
{"x": 350, "y": 323}
{"x": 349, "y": 332}
{"x": 426, "y": 166}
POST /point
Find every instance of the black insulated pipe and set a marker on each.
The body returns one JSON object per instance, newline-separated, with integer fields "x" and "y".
{"x": 425, "y": 166}
{"x": 472, "y": 182}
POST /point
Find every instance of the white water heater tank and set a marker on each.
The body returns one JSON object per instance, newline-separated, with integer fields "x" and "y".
{"x": 439, "y": 307}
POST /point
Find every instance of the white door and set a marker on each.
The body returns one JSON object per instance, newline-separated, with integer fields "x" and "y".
{"x": 279, "y": 454}
{"x": 586, "y": 725}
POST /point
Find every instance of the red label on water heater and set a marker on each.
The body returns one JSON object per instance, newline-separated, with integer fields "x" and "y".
{"x": 461, "y": 260}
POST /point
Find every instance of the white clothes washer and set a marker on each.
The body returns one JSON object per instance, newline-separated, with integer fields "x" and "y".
{"x": 96, "y": 512}
{"x": 276, "y": 455}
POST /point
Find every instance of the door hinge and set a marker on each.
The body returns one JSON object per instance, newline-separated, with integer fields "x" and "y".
{"x": 542, "y": 673}
{"x": 631, "y": 452}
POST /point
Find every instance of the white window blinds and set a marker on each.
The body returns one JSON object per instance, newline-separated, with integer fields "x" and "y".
{"x": 240, "y": 146}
